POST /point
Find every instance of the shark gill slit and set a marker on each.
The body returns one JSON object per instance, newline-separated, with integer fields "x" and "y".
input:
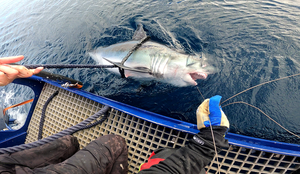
{"x": 154, "y": 67}
{"x": 157, "y": 69}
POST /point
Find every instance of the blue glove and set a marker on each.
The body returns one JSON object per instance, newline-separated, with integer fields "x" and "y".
{"x": 210, "y": 113}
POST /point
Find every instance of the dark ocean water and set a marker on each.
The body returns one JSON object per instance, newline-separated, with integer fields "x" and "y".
{"x": 250, "y": 42}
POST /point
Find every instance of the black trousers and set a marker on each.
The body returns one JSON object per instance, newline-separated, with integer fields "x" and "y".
{"x": 107, "y": 154}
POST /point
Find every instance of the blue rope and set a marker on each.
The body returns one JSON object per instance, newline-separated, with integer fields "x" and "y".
{"x": 43, "y": 115}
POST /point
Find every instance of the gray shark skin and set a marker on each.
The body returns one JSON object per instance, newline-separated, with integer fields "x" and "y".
{"x": 155, "y": 60}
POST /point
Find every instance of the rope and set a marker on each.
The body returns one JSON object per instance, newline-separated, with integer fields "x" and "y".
{"x": 264, "y": 114}
{"x": 67, "y": 131}
{"x": 94, "y": 124}
{"x": 215, "y": 147}
{"x": 260, "y": 85}
{"x": 43, "y": 114}
{"x": 200, "y": 92}
{"x": 48, "y": 66}
{"x": 134, "y": 48}
{"x": 121, "y": 70}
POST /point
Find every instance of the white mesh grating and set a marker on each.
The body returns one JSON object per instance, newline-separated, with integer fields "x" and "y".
{"x": 143, "y": 137}
{"x": 243, "y": 160}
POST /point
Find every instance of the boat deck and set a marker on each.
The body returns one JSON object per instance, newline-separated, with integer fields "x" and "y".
{"x": 68, "y": 109}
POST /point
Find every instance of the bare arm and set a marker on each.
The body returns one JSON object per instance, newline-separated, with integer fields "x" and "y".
{"x": 8, "y": 73}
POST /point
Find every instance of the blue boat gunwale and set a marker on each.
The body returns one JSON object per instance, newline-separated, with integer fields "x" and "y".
{"x": 234, "y": 139}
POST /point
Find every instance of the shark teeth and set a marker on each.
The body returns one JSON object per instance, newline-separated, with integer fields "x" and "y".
{"x": 198, "y": 75}
{"x": 191, "y": 77}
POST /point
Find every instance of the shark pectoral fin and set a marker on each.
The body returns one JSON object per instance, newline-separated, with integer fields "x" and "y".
{"x": 139, "y": 33}
{"x": 138, "y": 69}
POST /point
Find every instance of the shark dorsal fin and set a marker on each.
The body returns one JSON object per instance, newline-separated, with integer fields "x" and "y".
{"x": 139, "y": 33}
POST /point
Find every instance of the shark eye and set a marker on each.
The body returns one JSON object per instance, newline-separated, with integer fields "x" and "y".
{"x": 190, "y": 61}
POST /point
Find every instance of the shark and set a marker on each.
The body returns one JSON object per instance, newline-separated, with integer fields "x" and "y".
{"x": 152, "y": 60}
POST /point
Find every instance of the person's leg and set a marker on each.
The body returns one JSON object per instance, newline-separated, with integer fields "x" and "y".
{"x": 107, "y": 154}
{"x": 50, "y": 153}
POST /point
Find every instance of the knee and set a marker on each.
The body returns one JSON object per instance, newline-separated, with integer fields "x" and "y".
{"x": 114, "y": 142}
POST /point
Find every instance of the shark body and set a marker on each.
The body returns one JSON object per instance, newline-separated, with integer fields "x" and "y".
{"x": 154, "y": 61}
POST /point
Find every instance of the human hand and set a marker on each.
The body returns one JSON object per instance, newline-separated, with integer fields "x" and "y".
{"x": 8, "y": 73}
{"x": 210, "y": 113}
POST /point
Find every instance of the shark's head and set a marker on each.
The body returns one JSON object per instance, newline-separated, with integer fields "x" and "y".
{"x": 197, "y": 68}
{"x": 193, "y": 69}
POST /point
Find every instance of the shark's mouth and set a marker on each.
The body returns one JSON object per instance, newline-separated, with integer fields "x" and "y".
{"x": 197, "y": 75}
{"x": 192, "y": 77}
